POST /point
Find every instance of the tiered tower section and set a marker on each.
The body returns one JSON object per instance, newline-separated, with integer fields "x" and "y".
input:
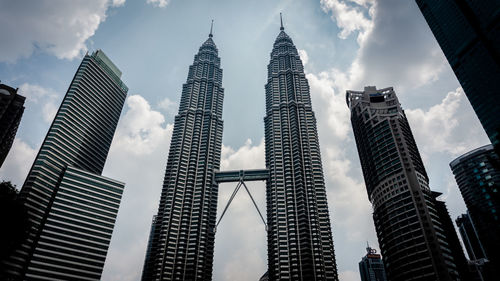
{"x": 183, "y": 239}
{"x": 300, "y": 245}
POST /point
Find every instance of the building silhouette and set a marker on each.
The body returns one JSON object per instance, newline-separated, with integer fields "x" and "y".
{"x": 479, "y": 183}
{"x": 183, "y": 239}
{"x": 371, "y": 266}
{"x": 410, "y": 234}
{"x": 71, "y": 207}
{"x": 477, "y": 263}
{"x": 11, "y": 111}
{"x": 457, "y": 252}
{"x": 468, "y": 232}
{"x": 468, "y": 32}
{"x": 299, "y": 238}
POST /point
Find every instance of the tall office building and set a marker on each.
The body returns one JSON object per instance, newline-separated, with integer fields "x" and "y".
{"x": 411, "y": 236}
{"x": 478, "y": 265}
{"x": 371, "y": 266}
{"x": 11, "y": 111}
{"x": 457, "y": 252}
{"x": 468, "y": 32}
{"x": 300, "y": 244}
{"x": 184, "y": 232}
{"x": 72, "y": 208}
{"x": 479, "y": 183}
{"x": 468, "y": 232}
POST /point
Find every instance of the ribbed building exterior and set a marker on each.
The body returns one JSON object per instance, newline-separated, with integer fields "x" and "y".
{"x": 300, "y": 245}
{"x": 371, "y": 266}
{"x": 11, "y": 111}
{"x": 411, "y": 237}
{"x": 468, "y": 32}
{"x": 184, "y": 232}
{"x": 72, "y": 208}
{"x": 478, "y": 177}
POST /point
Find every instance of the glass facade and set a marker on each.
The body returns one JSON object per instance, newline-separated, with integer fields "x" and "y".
{"x": 69, "y": 236}
{"x": 478, "y": 177}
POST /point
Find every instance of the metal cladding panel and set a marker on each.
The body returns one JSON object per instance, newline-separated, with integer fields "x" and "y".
{"x": 183, "y": 239}
{"x": 76, "y": 234}
{"x": 79, "y": 136}
{"x": 300, "y": 245}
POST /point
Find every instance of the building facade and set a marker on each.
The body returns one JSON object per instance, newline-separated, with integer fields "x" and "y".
{"x": 300, "y": 244}
{"x": 478, "y": 179}
{"x": 184, "y": 231}
{"x": 11, "y": 111}
{"x": 410, "y": 233}
{"x": 468, "y": 232}
{"x": 468, "y": 32}
{"x": 72, "y": 208}
{"x": 371, "y": 266}
{"x": 478, "y": 264}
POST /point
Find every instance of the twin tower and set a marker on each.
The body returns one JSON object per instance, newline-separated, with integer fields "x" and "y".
{"x": 299, "y": 238}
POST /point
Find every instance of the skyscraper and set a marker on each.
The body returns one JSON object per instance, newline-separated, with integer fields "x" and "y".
{"x": 299, "y": 238}
{"x": 468, "y": 231}
{"x": 371, "y": 266}
{"x": 11, "y": 111}
{"x": 469, "y": 34}
{"x": 72, "y": 208}
{"x": 410, "y": 233}
{"x": 479, "y": 183}
{"x": 184, "y": 231}
{"x": 478, "y": 266}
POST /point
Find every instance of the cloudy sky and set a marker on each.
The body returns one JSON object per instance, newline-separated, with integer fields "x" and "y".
{"x": 344, "y": 44}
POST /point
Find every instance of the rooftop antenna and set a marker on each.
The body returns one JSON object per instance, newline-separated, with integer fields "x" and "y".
{"x": 281, "y": 19}
{"x": 211, "y": 28}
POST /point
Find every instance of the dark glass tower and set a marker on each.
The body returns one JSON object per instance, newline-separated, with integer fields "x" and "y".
{"x": 409, "y": 229}
{"x": 72, "y": 208}
{"x": 371, "y": 266}
{"x": 184, "y": 231}
{"x": 300, "y": 245}
{"x": 11, "y": 111}
{"x": 468, "y": 32}
{"x": 468, "y": 232}
{"x": 479, "y": 183}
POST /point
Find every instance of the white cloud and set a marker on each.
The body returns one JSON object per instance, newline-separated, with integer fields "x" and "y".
{"x": 384, "y": 58}
{"x": 304, "y": 57}
{"x": 141, "y": 129}
{"x": 449, "y": 126}
{"x": 240, "y": 247}
{"x": 159, "y": 3}
{"x": 45, "y": 97}
{"x": 169, "y": 106}
{"x": 138, "y": 157}
{"x": 350, "y": 18}
{"x": 57, "y": 27}
{"x": 118, "y": 3}
{"x": 18, "y": 162}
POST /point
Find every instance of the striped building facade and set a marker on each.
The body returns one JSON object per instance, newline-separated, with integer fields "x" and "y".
{"x": 71, "y": 207}
{"x": 183, "y": 235}
{"x": 300, "y": 244}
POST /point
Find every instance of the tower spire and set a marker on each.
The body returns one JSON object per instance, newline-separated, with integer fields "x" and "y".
{"x": 211, "y": 28}
{"x": 281, "y": 20}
